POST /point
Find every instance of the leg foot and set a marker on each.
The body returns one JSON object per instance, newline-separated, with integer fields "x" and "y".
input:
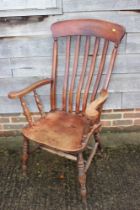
{"x": 82, "y": 178}
{"x": 25, "y": 155}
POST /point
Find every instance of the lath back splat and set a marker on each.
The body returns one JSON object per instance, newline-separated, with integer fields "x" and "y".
{"x": 90, "y": 75}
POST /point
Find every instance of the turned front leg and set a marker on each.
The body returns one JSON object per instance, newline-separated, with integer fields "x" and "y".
{"x": 25, "y": 155}
{"x": 82, "y": 177}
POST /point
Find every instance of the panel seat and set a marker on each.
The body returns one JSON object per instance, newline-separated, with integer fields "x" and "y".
{"x": 59, "y": 130}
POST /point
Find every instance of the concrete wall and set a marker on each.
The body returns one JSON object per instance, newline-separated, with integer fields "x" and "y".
{"x": 26, "y": 46}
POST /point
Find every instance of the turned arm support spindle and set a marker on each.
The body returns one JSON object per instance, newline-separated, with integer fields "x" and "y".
{"x": 38, "y": 103}
{"x": 26, "y": 111}
{"x": 20, "y": 94}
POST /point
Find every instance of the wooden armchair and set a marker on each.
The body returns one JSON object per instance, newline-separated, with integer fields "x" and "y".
{"x": 66, "y": 131}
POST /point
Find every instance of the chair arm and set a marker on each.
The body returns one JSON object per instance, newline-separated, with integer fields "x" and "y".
{"x": 21, "y": 93}
{"x": 93, "y": 110}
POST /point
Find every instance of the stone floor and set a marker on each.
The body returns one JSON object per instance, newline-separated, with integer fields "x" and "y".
{"x": 113, "y": 178}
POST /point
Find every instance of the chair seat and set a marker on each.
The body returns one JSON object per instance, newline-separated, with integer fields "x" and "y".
{"x": 59, "y": 130}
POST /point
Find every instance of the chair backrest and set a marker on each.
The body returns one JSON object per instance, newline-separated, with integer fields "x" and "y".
{"x": 86, "y": 85}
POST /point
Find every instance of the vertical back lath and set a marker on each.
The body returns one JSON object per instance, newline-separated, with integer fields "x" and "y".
{"x": 111, "y": 65}
{"x": 81, "y": 81}
{"x": 92, "y": 68}
{"x": 66, "y": 75}
{"x": 54, "y": 74}
{"x": 76, "y": 56}
{"x": 88, "y": 78}
{"x": 100, "y": 70}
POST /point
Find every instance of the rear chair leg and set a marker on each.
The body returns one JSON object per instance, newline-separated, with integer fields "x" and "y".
{"x": 25, "y": 155}
{"x": 82, "y": 178}
{"x": 98, "y": 139}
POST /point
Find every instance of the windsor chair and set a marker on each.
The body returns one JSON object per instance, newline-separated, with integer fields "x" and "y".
{"x": 66, "y": 131}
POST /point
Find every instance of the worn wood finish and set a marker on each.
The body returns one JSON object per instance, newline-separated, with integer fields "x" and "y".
{"x": 59, "y": 130}
{"x": 112, "y": 61}
{"x": 38, "y": 103}
{"x": 92, "y": 154}
{"x": 94, "y": 129}
{"x": 25, "y": 155}
{"x": 81, "y": 81}
{"x": 77, "y": 31}
{"x": 92, "y": 27}
{"x": 60, "y": 153}
{"x": 54, "y": 74}
{"x": 64, "y": 98}
{"x": 74, "y": 73}
{"x": 93, "y": 108}
{"x": 67, "y": 131}
{"x": 100, "y": 71}
{"x": 27, "y": 90}
{"x": 82, "y": 177}
{"x": 26, "y": 111}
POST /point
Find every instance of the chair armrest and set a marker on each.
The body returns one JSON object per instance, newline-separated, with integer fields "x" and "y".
{"x": 21, "y": 93}
{"x": 94, "y": 108}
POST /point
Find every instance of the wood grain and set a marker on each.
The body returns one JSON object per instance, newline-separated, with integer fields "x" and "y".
{"x": 133, "y": 43}
{"x": 30, "y": 7}
{"x": 26, "y": 4}
{"x": 89, "y": 27}
{"x": 20, "y": 47}
{"x": 41, "y": 66}
{"x": 89, "y": 5}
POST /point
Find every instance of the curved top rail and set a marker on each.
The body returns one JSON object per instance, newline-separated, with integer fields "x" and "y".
{"x": 99, "y": 28}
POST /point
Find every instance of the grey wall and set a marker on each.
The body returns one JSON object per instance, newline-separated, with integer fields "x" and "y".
{"x": 26, "y": 47}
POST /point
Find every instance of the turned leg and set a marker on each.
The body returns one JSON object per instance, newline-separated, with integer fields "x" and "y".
{"x": 82, "y": 177}
{"x": 25, "y": 155}
{"x": 98, "y": 139}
